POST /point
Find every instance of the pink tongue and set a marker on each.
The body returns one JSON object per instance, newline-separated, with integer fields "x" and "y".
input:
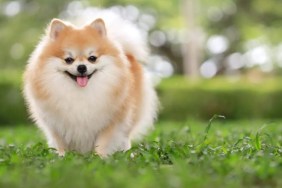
{"x": 82, "y": 81}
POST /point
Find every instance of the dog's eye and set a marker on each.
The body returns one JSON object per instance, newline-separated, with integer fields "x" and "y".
{"x": 69, "y": 60}
{"x": 92, "y": 59}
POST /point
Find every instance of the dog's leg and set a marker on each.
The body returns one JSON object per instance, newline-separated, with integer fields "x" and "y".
{"x": 112, "y": 139}
{"x": 56, "y": 141}
{"x": 60, "y": 144}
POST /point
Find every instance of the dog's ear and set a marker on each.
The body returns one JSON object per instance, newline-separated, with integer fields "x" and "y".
{"x": 99, "y": 26}
{"x": 55, "y": 28}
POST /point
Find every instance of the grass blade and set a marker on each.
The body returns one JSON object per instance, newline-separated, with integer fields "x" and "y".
{"x": 210, "y": 123}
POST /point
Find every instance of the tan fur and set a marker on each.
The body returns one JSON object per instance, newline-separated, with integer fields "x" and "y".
{"x": 101, "y": 117}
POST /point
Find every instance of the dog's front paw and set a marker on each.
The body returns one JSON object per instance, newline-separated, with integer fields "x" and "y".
{"x": 61, "y": 152}
{"x": 119, "y": 145}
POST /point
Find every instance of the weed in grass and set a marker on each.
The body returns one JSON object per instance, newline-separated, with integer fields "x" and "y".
{"x": 209, "y": 125}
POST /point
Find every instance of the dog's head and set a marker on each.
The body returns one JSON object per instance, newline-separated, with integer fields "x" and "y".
{"x": 80, "y": 53}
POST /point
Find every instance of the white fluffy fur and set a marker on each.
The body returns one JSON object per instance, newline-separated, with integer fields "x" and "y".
{"x": 77, "y": 116}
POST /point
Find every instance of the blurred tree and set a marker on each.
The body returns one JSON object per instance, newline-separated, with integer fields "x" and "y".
{"x": 246, "y": 25}
{"x": 191, "y": 48}
{"x": 22, "y": 23}
{"x": 236, "y": 21}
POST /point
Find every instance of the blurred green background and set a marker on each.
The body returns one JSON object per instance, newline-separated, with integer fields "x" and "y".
{"x": 209, "y": 57}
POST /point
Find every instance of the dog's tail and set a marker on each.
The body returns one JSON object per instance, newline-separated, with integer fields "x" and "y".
{"x": 129, "y": 37}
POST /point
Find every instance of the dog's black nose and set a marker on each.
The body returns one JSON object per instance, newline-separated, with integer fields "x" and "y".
{"x": 81, "y": 69}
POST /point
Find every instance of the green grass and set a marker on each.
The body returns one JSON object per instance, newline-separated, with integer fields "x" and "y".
{"x": 188, "y": 154}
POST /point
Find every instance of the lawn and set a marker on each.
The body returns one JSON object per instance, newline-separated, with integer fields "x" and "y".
{"x": 176, "y": 154}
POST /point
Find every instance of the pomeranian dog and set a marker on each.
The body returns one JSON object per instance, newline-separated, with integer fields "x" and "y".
{"x": 86, "y": 88}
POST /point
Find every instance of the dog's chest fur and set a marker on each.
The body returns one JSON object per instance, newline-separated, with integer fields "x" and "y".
{"x": 79, "y": 114}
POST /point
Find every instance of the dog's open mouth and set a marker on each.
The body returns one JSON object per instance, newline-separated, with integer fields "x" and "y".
{"x": 81, "y": 80}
